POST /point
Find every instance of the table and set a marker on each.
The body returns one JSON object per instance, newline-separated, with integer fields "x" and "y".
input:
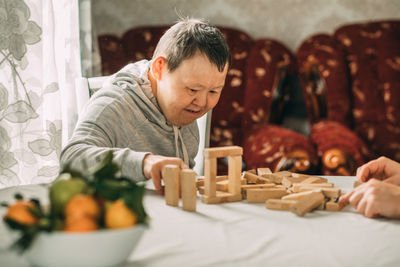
{"x": 242, "y": 234}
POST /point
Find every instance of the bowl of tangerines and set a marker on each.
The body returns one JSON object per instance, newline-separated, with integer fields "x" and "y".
{"x": 94, "y": 218}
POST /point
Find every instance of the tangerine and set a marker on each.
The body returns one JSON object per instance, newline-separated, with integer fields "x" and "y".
{"x": 20, "y": 213}
{"x": 82, "y": 205}
{"x": 80, "y": 224}
{"x": 118, "y": 215}
{"x": 63, "y": 189}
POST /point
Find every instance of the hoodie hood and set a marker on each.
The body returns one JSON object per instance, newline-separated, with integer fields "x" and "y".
{"x": 136, "y": 74}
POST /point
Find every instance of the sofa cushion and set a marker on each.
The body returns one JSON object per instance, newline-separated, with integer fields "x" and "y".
{"x": 382, "y": 137}
{"x": 279, "y": 149}
{"x": 324, "y": 78}
{"x": 374, "y": 59}
{"x": 269, "y": 66}
{"x": 226, "y": 122}
{"x": 112, "y": 54}
{"x": 340, "y": 149}
{"x": 139, "y": 43}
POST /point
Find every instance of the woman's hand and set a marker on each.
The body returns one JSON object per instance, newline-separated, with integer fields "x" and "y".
{"x": 375, "y": 198}
{"x": 382, "y": 169}
{"x": 153, "y": 168}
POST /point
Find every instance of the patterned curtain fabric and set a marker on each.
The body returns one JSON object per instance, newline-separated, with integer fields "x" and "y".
{"x": 90, "y": 55}
{"x": 39, "y": 62}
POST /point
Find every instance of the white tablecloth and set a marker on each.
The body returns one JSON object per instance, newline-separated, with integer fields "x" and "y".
{"x": 242, "y": 234}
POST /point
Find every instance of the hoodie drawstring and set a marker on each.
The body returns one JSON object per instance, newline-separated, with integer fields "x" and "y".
{"x": 178, "y": 136}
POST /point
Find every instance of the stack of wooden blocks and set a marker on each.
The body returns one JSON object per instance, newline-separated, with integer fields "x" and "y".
{"x": 233, "y": 192}
{"x": 283, "y": 190}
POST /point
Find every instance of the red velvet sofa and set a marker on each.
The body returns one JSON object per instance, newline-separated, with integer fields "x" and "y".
{"x": 356, "y": 74}
{"x": 258, "y": 86}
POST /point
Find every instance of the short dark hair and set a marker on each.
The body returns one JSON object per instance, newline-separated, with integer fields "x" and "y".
{"x": 184, "y": 39}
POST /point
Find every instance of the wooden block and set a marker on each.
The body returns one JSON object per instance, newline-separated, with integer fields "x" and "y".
{"x": 276, "y": 179}
{"x": 296, "y": 196}
{"x": 322, "y": 206}
{"x": 263, "y": 194}
{"x": 314, "y": 180}
{"x": 357, "y": 183}
{"x": 322, "y": 179}
{"x": 200, "y": 180}
{"x": 328, "y": 192}
{"x": 224, "y": 189}
{"x": 308, "y": 203}
{"x": 300, "y": 175}
{"x": 221, "y": 152}
{"x": 201, "y": 190}
{"x": 224, "y": 185}
{"x": 234, "y": 174}
{"x": 171, "y": 181}
{"x": 252, "y": 186}
{"x": 210, "y": 175}
{"x": 333, "y": 206}
{"x": 188, "y": 185}
{"x": 253, "y": 178}
{"x": 254, "y": 171}
{"x": 297, "y": 187}
{"x": 221, "y": 197}
{"x": 286, "y": 182}
{"x": 289, "y": 181}
{"x": 279, "y": 204}
{"x": 263, "y": 171}
{"x": 283, "y": 174}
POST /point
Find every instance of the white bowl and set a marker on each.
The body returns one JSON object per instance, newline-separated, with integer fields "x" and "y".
{"x": 94, "y": 249}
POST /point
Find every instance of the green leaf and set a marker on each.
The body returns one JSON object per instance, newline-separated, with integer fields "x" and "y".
{"x": 66, "y": 169}
{"x": 134, "y": 200}
{"x": 36, "y": 212}
{"x": 112, "y": 189}
{"x": 25, "y": 241}
{"x": 105, "y": 168}
{"x": 14, "y": 224}
{"x": 18, "y": 196}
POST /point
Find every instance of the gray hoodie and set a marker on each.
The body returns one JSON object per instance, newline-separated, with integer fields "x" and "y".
{"x": 124, "y": 117}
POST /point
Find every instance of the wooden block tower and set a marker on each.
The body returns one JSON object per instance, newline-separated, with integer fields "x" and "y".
{"x": 211, "y": 195}
{"x": 180, "y": 181}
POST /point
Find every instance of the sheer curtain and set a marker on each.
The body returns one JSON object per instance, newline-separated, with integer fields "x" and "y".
{"x": 39, "y": 62}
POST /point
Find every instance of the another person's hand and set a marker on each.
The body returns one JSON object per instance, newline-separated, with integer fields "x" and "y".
{"x": 382, "y": 169}
{"x": 153, "y": 167}
{"x": 375, "y": 198}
